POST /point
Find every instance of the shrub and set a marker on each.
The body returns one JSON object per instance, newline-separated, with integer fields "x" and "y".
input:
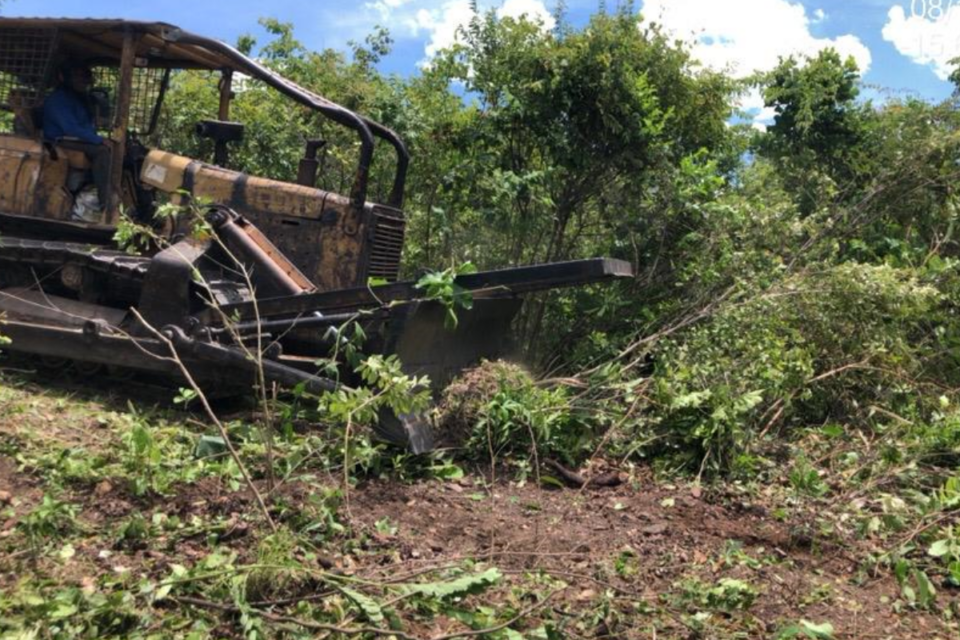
{"x": 498, "y": 409}
{"x": 825, "y": 344}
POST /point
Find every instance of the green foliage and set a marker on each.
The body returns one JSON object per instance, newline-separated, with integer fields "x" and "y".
{"x": 48, "y": 522}
{"x": 522, "y": 418}
{"x": 814, "y": 346}
{"x": 134, "y": 532}
{"x": 461, "y": 586}
{"x": 318, "y": 517}
{"x": 384, "y": 386}
{"x": 807, "y": 629}
{"x": 143, "y": 455}
{"x": 442, "y": 287}
{"x": 947, "y": 550}
{"x": 915, "y": 585}
{"x": 818, "y": 128}
{"x": 805, "y": 479}
{"x": 71, "y": 613}
{"x": 726, "y": 595}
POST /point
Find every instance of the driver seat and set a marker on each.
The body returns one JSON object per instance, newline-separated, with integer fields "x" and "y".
{"x": 28, "y": 122}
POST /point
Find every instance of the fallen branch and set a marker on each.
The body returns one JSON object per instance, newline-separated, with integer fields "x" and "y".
{"x": 300, "y": 622}
{"x": 503, "y": 625}
{"x": 577, "y": 481}
{"x": 355, "y": 631}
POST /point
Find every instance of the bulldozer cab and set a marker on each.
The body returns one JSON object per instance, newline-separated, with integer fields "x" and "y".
{"x": 335, "y": 240}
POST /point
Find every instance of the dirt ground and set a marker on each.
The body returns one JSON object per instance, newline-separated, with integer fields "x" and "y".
{"x": 580, "y": 536}
{"x": 634, "y": 553}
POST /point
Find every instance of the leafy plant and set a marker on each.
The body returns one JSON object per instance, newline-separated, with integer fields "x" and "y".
{"x": 947, "y": 549}
{"x": 728, "y": 594}
{"x": 456, "y": 587}
{"x": 144, "y": 458}
{"x": 523, "y": 418}
{"x": 442, "y": 286}
{"x": 807, "y": 629}
{"x": 805, "y": 478}
{"x": 48, "y": 521}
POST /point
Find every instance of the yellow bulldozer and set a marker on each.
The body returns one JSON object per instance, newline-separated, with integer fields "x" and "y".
{"x": 284, "y": 261}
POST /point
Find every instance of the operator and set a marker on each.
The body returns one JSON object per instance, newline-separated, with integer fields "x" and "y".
{"x": 68, "y": 122}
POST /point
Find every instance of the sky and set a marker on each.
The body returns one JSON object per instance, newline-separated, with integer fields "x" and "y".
{"x": 902, "y": 46}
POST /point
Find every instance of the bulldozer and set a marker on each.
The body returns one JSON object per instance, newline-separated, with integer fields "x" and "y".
{"x": 280, "y": 264}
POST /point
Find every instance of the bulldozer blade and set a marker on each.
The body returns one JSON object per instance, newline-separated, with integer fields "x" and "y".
{"x": 410, "y": 430}
{"x": 420, "y": 335}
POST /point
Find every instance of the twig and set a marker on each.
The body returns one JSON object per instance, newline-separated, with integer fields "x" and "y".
{"x": 780, "y": 406}
{"x": 213, "y": 416}
{"x": 307, "y": 624}
{"x": 921, "y": 529}
{"x": 354, "y": 631}
{"x": 833, "y": 372}
{"x": 579, "y": 576}
{"x": 503, "y": 625}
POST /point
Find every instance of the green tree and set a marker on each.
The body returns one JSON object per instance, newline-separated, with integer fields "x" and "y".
{"x": 819, "y": 128}
{"x": 564, "y": 140}
{"x": 556, "y": 124}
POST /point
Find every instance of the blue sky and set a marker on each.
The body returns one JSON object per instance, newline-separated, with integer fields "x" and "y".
{"x": 904, "y": 45}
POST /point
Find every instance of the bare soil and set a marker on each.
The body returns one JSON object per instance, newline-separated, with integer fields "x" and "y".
{"x": 633, "y": 555}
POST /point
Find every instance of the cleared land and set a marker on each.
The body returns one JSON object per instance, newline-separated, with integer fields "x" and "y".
{"x": 107, "y": 532}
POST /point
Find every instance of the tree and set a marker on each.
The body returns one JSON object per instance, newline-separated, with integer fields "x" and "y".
{"x": 567, "y": 121}
{"x": 819, "y": 128}
{"x": 564, "y": 140}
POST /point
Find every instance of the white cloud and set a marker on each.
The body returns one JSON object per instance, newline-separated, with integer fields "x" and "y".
{"x": 441, "y": 24}
{"x": 927, "y": 40}
{"x": 532, "y": 9}
{"x": 752, "y": 102}
{"x": 743, "y": 36}
{"x": 385, "y": 7}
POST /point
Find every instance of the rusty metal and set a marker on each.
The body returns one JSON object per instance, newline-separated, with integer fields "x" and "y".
{"x": 119, "y": 138}
{"x": 333, "y": 111}
{"x": 225, "y": 88}
{"x": 486, "y": 284}
{"x": 307, "y": 169}
{"x": 263, "y": 263}
{"x": 221, "y": 132}
{"x": 384, "y": 246}
{"x": 26, "y": 65}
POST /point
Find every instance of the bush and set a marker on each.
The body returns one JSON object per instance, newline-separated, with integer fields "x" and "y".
{"x": 498, "y": 410}
{"x": 827, "y": 344}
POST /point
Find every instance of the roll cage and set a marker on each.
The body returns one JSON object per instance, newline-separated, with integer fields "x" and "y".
{"x": 142, "y": 55}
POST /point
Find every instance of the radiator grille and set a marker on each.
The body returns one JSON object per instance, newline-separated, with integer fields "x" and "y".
{"x": 386, "y": 244}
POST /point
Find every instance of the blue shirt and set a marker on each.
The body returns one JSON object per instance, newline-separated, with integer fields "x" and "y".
{"x": 65, "y": 114}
